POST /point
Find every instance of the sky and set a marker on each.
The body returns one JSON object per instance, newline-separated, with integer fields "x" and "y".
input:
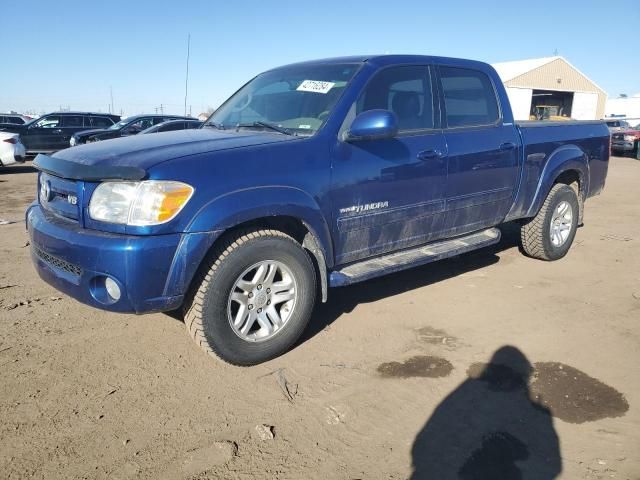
{"x": 73, "y": 53}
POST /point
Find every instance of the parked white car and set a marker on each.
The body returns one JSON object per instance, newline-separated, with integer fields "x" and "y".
{"x": 11, "y": 149}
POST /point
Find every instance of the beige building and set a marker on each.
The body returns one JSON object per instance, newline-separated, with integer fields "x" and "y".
{"x": 551, "y": 86}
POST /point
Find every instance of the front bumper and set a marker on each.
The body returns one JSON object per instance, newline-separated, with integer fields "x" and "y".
{"x": 623, "y": 146}
{"x": 153, "y": 272}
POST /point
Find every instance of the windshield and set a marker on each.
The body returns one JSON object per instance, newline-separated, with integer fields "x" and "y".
{"x": 120, "y": 124}
{"x": 294, "y": 100}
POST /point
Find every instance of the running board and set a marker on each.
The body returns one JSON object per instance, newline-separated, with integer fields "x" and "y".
{"x": 394, "y": 262}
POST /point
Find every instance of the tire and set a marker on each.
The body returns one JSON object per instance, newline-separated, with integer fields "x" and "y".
{"x": 536, "y": 233}
{"x": 211, "y": 308}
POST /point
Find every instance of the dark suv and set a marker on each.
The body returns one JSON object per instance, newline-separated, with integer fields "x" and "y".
{"x": 125, "y": 127}
{"x": 11, "y": 120}
{"x": 52, "y": 132}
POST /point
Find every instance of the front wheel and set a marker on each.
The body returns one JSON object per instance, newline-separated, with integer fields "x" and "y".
{"x": 549, "y": 235}
{"x": 254, "y": 297}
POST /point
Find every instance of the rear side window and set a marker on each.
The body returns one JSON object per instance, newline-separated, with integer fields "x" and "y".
{"x": 406, "y": 91}
{"x": 73, "y": 121}
{"x": 469, "y": 97}
{"x": 101, "y": 122}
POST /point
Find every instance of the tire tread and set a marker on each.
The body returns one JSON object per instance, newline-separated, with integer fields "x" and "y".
{"x": 532, "y": 232}
{"x": 193, "y": 318}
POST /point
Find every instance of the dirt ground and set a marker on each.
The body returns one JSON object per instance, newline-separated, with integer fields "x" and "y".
{"x": 489, "y": 365}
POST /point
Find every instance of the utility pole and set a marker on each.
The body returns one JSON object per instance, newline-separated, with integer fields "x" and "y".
{"x": 186, "y": 80}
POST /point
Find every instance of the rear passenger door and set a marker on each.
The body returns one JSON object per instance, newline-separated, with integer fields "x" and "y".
{"x": 482, "y": 165}
{"x": 70, "y": 125}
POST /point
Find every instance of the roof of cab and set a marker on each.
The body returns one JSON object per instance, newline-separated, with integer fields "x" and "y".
{"x": 389, "y": 59}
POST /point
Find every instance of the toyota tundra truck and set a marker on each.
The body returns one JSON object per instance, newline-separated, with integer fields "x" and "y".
{"x": 311, "y": 176}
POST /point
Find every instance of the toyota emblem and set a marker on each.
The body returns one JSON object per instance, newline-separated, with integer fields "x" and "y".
{"x": 45, "y": 191}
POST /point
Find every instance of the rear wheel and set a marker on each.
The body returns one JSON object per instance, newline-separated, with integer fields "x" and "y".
{"x": 254, "y": 297}
{"x": 549, "y": 235}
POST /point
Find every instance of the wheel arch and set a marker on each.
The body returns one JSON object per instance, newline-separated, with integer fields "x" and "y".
{"x": 286, "y": 209}
{"x": 569, "y": 165}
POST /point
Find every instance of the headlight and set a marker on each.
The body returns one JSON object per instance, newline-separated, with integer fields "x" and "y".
{"x": 72, "y": 141}
{"x": 629, "y": 138}
{"x": 151, "y": 202}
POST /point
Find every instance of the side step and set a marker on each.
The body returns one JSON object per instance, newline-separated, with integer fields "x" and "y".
{"x": 394, "y": 262}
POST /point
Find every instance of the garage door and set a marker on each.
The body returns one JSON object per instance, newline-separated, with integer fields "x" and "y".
{"x": 520, "y": 99}
{"x": 585, "y": 106}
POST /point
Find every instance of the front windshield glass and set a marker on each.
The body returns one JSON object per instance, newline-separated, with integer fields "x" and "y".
{"x": 295, "y": 100}
{"x": 120, "y": 124}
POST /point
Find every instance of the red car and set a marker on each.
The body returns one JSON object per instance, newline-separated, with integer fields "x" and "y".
{"x": 626, "y": 141}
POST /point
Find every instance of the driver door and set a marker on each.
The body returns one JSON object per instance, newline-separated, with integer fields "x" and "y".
{"x": 43, "y": 133}
{"x": 388, "y": 194}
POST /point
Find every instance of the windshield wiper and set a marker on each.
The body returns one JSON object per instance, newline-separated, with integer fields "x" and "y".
{"x": 219, "y": 126}
{"x": 270, "y": 126}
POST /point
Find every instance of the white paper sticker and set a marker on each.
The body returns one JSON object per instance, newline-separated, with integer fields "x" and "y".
{"x": 316, "y": 86}
{"x": 304, "y": 127}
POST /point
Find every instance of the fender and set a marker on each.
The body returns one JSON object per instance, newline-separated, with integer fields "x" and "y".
{"x": 563, "y": 159}
{"x": 234, "y": 208}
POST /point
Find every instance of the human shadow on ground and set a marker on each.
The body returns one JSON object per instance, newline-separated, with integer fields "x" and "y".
{"x": 489, "y": 428}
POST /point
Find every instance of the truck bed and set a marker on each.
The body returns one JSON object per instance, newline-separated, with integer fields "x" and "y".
{"x": 548, "y": 147}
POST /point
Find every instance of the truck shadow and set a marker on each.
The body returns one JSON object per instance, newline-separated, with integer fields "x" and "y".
{"x": 345, "y": 299}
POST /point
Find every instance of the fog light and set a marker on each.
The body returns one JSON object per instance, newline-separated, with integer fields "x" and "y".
{"x": 112, "y": 289}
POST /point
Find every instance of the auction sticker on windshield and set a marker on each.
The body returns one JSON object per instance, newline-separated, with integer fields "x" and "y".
{"x": 316, "y": 86}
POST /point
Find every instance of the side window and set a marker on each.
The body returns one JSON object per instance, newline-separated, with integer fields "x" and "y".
{"x": 139, "y": 125}
{"x": 172, "y": 126}
{"x": 406, "y": 91}
{"x": 16, "y": 120}
{"x": 101, "y": 122}
{"x": 469, "y": 97}
{"x": 73, "y": 121}
{"x": 158, "y": 120}
{"x": 50, "y": 121}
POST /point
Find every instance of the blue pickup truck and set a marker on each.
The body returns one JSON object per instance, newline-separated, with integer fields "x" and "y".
{"x": 313, "y": 175}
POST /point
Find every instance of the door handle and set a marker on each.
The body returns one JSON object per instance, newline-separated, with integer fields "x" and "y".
{"x": 507, "y": 146}
{"x": 57, "y": 130}
{"x": 429, "y": 154}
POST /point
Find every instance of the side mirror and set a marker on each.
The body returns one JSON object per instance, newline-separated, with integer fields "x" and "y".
{"x": 373, "y": 124}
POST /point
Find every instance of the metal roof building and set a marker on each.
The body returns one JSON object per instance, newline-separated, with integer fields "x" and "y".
{"x": 551, "y": 86}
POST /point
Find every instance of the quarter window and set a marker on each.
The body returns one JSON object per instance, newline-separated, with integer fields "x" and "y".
{"x": 469, "y": 97}
{"x": 101, "y": 122}
{"x": 406, "y": 91}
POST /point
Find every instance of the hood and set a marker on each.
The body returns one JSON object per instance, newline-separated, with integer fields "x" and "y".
{"x": 632, "y": 131}
{"x": 84, "y": 133}
{"x": 145, "y": 151}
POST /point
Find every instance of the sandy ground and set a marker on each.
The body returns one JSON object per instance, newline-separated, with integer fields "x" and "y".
{"x": 490, "y": 365}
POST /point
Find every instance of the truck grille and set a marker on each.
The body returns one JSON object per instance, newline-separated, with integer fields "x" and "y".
{"x": 59, "y": 195}
{"x": 618, "y": 136}
{"x": 57, "y": 262}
